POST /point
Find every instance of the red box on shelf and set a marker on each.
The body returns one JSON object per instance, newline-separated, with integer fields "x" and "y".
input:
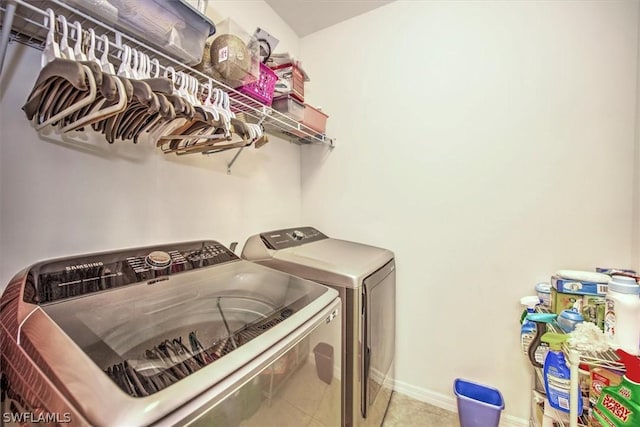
{"x": 291, "y": 79}
{"x": 314, "y": 119}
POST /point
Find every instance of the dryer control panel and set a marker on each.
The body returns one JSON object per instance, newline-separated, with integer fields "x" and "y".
{"x": 290, "y": 237}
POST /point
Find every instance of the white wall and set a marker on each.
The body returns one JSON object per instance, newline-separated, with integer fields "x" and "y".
{"x": 488, "y": 144}
{"x": 58, "y": 200}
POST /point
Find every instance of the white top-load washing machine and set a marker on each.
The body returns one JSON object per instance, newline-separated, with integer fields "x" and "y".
{"x": 364, "y": 276}
{"x": 177, "y": 334}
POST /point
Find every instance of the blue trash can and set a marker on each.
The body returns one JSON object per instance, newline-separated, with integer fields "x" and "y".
{"x": 478, "y": 405}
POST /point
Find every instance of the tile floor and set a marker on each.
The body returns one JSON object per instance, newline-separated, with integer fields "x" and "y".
{"x": 403, "y": 412}
{"x": 407, "y": 412}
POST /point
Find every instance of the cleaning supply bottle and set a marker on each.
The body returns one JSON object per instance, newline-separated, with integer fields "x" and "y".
{"x": 543, "y": 290}
{"x": 622, "y": 316}
{"x": 557, "y": 375}
{"x": 620, "y": 405}
{"x": 528, "y": 328}
{"x": 537, "y": 349}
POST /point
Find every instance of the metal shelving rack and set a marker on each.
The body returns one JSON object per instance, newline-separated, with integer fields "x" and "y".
{"x": 607, "y": 359}
{"x": 24, "y": 21}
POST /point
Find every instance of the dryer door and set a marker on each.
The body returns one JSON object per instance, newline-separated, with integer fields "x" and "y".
{"x": 379, "y": 332}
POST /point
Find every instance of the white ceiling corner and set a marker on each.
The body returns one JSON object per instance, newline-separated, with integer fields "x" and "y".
{"x": 308, "y": 16}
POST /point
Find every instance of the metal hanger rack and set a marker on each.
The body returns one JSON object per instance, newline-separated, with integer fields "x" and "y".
{"x": 24, "y": 22}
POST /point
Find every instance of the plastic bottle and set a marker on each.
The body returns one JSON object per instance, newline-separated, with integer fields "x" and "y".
{"x": 620, "y": 405}
{"x": 557, "y": 375}
{"x": 622, "y": 314}
{"x": 543, "y": 290}
{"x": 537, "y": 349}
{"x": 528, "y": 328}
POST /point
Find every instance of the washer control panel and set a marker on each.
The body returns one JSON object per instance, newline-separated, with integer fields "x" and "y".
{"x": 81, "y": 275}
{"x": 290, "y": 237}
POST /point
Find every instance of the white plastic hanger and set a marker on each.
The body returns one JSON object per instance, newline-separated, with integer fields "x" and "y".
{"x": 208, "y": 105}
{"x": 195, "y": 89}
{"x": 146, "y": 64}
{"x": 226, "y": 104}
{"x": 91, "y": 54}
{"x": 107, "y": 67}
{"x": 181, "y": 78}
{"x": 155, "y": 62}
{"x": 135, "y": 71}
{"x": 124, "y": 69}
{"x": 65, "y": 49}
{"x": 77, "y": 49}
{"x": 171, "y": 70}
{"x": 218, "y": 95}
{"x": 252, "y": 131}
{"x": 149, "y": 68}
{"x": 51, "y": 49}
{"x": 258, "y": 130}
{"x": 224, "y": 112}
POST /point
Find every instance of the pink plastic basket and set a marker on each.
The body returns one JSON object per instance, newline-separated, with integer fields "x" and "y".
{"x": 262, "y": 89}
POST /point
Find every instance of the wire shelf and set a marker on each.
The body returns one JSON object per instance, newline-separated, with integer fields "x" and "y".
{"x": 605, "y": 359}
{"x": 28, "y": 27}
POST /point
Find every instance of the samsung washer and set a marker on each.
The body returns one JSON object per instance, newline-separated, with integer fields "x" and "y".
{"x": 178, "y": 334}
{"x": 364, "y": 276}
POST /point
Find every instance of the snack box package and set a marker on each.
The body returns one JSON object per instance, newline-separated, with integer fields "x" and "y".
{"x": 564, "y": 301}
{"x": 592, "y": 307}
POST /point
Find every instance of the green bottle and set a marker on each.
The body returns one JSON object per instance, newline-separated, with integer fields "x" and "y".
{"x": 620, "y": 405}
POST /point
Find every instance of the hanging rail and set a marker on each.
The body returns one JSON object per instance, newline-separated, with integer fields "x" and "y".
{"x": 24, "y": 22}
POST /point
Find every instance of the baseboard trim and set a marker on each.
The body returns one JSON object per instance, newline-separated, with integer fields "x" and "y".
{"x": 448, "y": 402}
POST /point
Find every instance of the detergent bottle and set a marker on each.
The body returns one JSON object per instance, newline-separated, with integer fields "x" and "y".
{"x": 557, "y": 375}
{"x": 620, "y": 405}
{"x": 528, "y": 327}
{"x": 537, "y": 349}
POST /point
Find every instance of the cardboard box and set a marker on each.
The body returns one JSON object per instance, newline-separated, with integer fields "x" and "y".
{"x": 564, "y": 301}
{"x": 592, "y": 307}
{"x": 601, "y": 378}
{"x": 578, "y": 287}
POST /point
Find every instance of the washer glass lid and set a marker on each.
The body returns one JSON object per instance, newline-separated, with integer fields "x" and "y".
{"x": 146, "y": 337}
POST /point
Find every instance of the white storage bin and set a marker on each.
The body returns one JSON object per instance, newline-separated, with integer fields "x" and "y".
{"x": 289, "y": 107}
{"x": 174, "y": 27}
